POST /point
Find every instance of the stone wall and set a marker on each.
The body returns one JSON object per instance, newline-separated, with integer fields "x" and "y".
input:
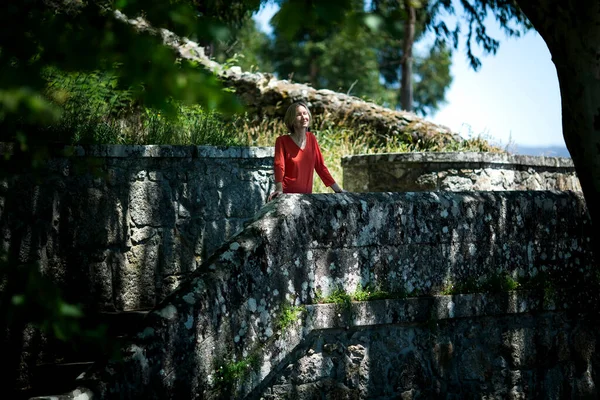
{"x": 457, "y": 171}
{"x": 221, "y": 335}
{"x": 519, "y": 350}
{"x": 118, "y": 227}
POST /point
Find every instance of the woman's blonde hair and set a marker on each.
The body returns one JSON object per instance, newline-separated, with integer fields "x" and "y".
{"x": 290, "y": 115}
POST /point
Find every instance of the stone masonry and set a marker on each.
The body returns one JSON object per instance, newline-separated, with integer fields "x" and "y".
{"x": 219, "y": 335}
{"x": 120, "y": 226}
{"x": 117, "y": 228}
{"x": 405, "y": 172}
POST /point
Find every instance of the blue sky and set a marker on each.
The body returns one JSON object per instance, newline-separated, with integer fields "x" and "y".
{"x": 513, "y": 100}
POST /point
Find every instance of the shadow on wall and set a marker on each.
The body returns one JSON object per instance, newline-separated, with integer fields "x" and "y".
{"x": 117, "y": 231}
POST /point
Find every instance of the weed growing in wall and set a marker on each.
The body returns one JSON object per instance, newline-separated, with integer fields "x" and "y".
{"x": 369, "y": 293}
{"x": 289, "y": 315}
{"x": 229, "y": 373}
{"x": 496, "y": 283}
{"x": 338, "y": 297}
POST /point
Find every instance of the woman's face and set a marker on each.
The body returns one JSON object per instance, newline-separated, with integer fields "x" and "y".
{"x": 302, "y": 118}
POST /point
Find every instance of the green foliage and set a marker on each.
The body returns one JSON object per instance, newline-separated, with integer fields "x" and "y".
{"x": 340, "y": 58}
{"x": 231, "y": 12}
{"x": 496, "y": 283}
{"x": 338, "y": 297}
{"x": 73, "y": 37}
{"x": 289, "y": 315}
{"x": 298, "y": 20}
{"x": 431, "y": 79}
{"x": 343, "y": 299}
{"x": 246, "y": 46}
{"x": 508, "y": 14}
{"x": 349, "y": 55}
{"x": 94, "y": 110}
{"x": 231, "y": 372}
{"x": 369, "y": 293}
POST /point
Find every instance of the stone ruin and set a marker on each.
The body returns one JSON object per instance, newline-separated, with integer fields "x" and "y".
{"x": 457, "y": 171}
{"x": 227, "y": 333}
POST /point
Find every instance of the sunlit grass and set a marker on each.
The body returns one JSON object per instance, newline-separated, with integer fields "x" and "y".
{"x": 192, "y": 125}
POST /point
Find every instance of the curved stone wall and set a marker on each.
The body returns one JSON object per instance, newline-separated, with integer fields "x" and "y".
{"x": 457, "y": 171}
{"x": 222, "y": 334}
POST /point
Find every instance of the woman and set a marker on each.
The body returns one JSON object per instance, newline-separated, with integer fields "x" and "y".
{"x": 297, "y": 156}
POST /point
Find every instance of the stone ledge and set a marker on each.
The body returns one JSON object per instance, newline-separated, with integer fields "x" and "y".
{"x": 151, "y": 151}
{"x": 482, "y": 158}
{"x": 424, "y": 309}
{"x": 235, "y": 152}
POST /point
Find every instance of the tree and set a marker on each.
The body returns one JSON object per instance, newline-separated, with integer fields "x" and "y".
{"x": 246, "y": 46}
{"x": 431, "y": 79}
{"x": 301, "y": 45}
{"x": 571, "y": 30}
{"x": 403, "y": 24}
{"x": 398, "y": 33}
{"x": 350, "y": 56}
{"x": 340, "y": 59}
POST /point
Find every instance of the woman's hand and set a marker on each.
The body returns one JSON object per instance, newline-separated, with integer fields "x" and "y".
{"x": 275, "y": 194}
{"x": 337, "y": 188}
{"x": 278, "y": 191}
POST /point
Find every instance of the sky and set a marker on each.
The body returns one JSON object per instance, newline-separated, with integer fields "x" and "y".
{"x": 513, "y": 100}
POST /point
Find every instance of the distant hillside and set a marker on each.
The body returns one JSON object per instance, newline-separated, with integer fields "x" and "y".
{"x": 552, "y": 151}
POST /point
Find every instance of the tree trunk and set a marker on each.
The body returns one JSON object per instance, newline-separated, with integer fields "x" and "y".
{"x": 571, "y": 29}
{"x": 406, "y": 92}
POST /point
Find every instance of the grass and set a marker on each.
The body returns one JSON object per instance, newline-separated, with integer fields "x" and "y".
{"x": 343, "y": 299}
{"x": 369, "y": 293}
{"x": 501, "y": 282}
{"x": 231, "y": 372}
{"x": 289, "y": 315}
{"x": 95, "y": 111}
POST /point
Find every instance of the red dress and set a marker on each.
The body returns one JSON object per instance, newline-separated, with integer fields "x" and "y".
{"x": 295, "y": 167}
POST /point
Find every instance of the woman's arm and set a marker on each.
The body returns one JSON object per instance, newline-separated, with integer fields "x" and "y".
{"x": 320, "y": 167}
{"x": 279, "y": 169}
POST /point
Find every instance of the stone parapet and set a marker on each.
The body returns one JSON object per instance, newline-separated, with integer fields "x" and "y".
{"x": 457, "y": 171}
{"x": 222, "y": 334}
